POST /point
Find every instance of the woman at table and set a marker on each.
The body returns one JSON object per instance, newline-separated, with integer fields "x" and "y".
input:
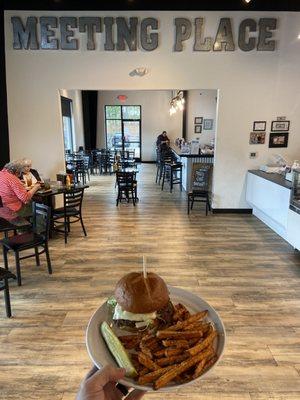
{"x": 13, "y": 194}
{"x": 29, "y": 176}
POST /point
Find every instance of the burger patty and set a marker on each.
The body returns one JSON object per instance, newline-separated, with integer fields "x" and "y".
{"x": 165, "y": 315}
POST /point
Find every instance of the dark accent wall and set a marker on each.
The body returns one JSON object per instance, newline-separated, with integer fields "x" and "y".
{"x": 4, "y": 136}
{"x": 254, "y": 5}
{"x": 89, "y": 111}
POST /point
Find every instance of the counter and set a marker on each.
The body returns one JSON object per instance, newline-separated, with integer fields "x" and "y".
{"x": 269, "y": 196}
{"x": 188, "y": 160}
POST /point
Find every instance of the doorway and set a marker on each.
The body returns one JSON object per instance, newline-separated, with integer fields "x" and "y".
{"x": 66, "y": 109}
{"x": 123, "y": 128}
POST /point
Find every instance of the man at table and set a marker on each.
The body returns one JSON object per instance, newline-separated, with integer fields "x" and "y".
{"x": 162, "y": 139}
{"x": 13, "y": 194}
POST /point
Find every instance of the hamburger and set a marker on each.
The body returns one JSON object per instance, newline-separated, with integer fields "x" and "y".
{"x": 142, "y": 303}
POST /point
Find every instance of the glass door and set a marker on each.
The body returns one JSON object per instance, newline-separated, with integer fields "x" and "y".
{"x": 123, "y": 128}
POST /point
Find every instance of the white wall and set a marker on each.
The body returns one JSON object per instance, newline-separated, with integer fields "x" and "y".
{"x": 75, "y": 96}
{"x": 252, "y": 86}
{"x": 201, "y": 103}
{"x": 155, "y": 118}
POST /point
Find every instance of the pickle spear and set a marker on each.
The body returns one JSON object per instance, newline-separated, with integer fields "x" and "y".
{"x": 117, "y": 350}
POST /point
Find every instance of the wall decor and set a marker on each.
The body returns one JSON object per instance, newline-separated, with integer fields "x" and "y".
{"x": 257, "y": 138}
{"x": 208, "y": 124}
{"x": 279, "y": 126}
{"x": 259, "y": 125}
{"x": 198, "y": 128}
{"x": 59, "y": 33}
{"x": 198, "y": 120}
{"x": 278, "y": 139}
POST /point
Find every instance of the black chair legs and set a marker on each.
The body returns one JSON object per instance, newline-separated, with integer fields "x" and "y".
{"x": 48, "y": 259}
{"x": 7, "y": 298}
{"x": 18, "y": 269}
{"x": 37, "y": 256}
{"x": 202, "y": 197}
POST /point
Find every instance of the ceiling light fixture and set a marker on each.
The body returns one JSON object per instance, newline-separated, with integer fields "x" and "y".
{"x": 247, "y": 1}
{"x": 177, "y": 102}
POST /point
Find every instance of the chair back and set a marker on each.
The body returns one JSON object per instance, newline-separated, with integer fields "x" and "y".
{"x": 73, "y": 199}
{"x": 125, "y": 178}
{"x": 41, "y": 219}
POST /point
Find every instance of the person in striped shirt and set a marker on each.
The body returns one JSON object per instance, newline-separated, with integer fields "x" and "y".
{"x": 13, "y": 194}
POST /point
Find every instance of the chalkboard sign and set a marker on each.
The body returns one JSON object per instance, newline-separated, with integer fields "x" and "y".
{"x": 201, "y": 178}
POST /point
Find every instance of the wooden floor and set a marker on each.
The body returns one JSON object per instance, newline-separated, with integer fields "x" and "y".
{"x": 247, "y": 272}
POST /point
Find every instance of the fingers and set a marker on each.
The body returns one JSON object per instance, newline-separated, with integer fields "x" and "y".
{"x": 135, "y": 395}
{"x": 107, "y": 374}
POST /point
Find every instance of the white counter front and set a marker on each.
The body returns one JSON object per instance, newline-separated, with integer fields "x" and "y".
{"x": 269, "y": 196}
{"x": 270, "y": 201}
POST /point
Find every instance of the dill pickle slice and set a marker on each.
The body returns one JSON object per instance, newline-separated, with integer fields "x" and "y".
{"x": 117, "y": 350}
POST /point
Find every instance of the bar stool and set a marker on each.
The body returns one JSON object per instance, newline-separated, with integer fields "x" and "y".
{"x": 170, "y": 173}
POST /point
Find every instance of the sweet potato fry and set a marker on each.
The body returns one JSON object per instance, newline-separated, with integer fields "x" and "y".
{"x": 162, "y": 362}
{"x": 147, "y": 362}
{"x": 199, "y": 368}
{"x": 159, "y": 353}
{"x": 143, "y": 371}
{"x": 192, "y": 342}
{"x": 151, "y": 376}
{"x": 179, "y": 369}
{"x": 172, "y": 352}
{"x": 202, "y": 345}
{"x": 168, "y": 334}
{"x": 180, "y": 344}
{"x": 146, "y": 351}
{"x": 181, "y": 324}
{"x": 210, "y": 362}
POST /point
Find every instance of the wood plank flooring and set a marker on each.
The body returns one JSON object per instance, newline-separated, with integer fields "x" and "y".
{"x": 247, "y": 272}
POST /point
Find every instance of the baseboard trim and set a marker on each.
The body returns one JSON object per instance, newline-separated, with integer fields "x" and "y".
{"x": 232, "y": 211}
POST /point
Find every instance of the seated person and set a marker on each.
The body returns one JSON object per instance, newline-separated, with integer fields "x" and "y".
{"x": 29, "y": 176}
{"x": 162, "y": 139}
{"x": 13, "y": 194}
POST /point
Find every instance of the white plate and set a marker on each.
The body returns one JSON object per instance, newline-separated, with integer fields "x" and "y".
{"x": 100, "y": 355}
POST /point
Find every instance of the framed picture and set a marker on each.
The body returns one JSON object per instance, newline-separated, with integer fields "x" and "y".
{"x": 198, "y": 120}
{"x": 208, "y": 124}
{"x": 198, "y": 128}
{"x": 259, "y": 125}
{"x": 257, "y": 137}
{"x": 278, "y": 139}
{"x": 280, "y": 126}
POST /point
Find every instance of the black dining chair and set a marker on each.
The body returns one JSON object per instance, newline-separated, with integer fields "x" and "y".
{"x": 70, "y": 213}
{"x": 37, "y": 237}
{"x": 127, "y": 186}
{"x": 5, "y": 275}
{"x": 201, "y": 188}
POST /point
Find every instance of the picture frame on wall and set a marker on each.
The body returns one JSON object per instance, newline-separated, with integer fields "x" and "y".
{"x": 259, "y": 125}
{"x": 198, "y": 129}
{"x": 280, "y": 126}
{"x": 198, "y": 120}
{"x": 208, "y": 124}
{"x": 257, "y": 138}
{"x": 278, "y": 139}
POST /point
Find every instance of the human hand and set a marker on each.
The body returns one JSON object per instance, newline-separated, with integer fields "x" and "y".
{"x": 101, "y": 385}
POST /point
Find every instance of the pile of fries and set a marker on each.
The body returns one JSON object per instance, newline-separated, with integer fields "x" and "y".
{"x": 179, "y": 353}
